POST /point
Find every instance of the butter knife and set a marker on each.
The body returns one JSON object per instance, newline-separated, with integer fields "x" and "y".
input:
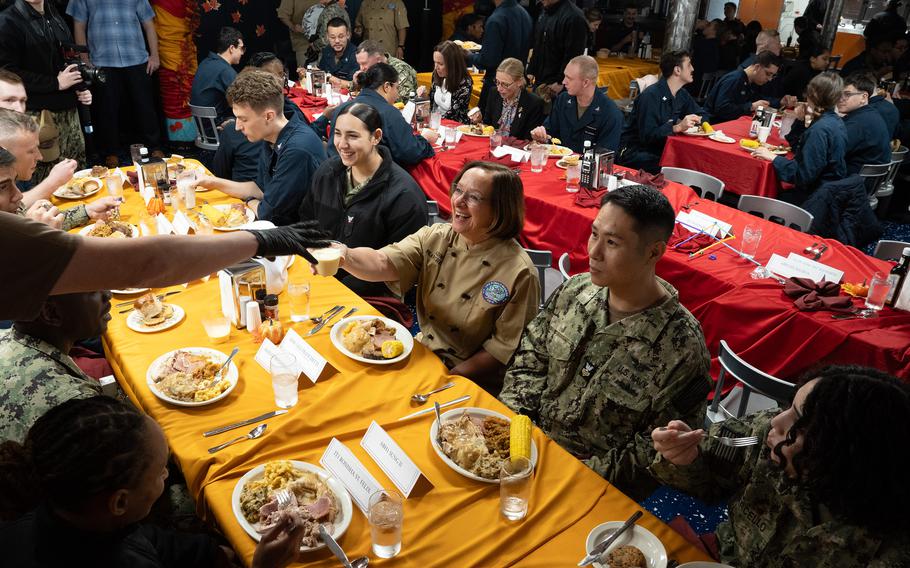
{"x": 223, "y": 429}
{"x": 325, "y": 321}
{"x": 598, "y": 550}
{"x": 333, "y": 546}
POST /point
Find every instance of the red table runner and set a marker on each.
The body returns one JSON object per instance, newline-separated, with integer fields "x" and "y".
{"x": 741, "y": 173}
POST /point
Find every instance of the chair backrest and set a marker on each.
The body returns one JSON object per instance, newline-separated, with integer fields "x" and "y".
{"x": 833, "y": 62}
{"x": 897, "y": 158}
{"x": 708, "y": 187}
{"x": 206, "y": 128}
{"x": 543, "y": 260}
{"x": 564, "y": 265}
{"x": 707, "y": 81}
{"x": 874, "y": 175}
{"x": 889, "y": 250}
{"x": 433, "y": 213}
{"x": 753, "y": 379}
{"x": 776, "y": 211}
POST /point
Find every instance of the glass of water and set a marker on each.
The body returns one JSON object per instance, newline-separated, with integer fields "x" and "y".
{"x": 879, "y": 287}
{"x": 750, "y": 242}
{"x": 496, "y": 139}
{"x": 514, "y": 488}
{"x": 451, "y": 136}
{"x": 386, "y": 518}
{"x": 283, "y": 368}
{"x": 299, "y": 293}
{"x": 573, "y": 177}
{"x": 435, "y": 120}
{"x": 538, "y": 157}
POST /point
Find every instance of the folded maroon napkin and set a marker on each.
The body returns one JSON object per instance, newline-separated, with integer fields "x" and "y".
{"x": 684, "y": 240}
{"x": 811, "y": 296}
{"x": 656, "y": 181}
{"x": 590, "y": 197}
{"x": 303, "y": 98}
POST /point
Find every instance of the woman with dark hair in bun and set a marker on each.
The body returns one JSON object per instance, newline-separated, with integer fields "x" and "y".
{"x": 379, "y": 89}
{"x": 87, "y": 474}
{"x": 361, "y": 197}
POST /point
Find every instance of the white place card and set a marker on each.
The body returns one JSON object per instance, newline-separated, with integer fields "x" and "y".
{"x": 394, "y": 462}
{"x": 265, "y": 353}
{"x": 696, "y": 221}
{"x": 309, "y": 361}
{"x": 516, "y": 154}
{"x": 347, "y": 469}
{"x": 801, "y": 267}
{"x": 164, "y": 226}
{"x": 181, "y": 223}
{"x": 408, "y": 111}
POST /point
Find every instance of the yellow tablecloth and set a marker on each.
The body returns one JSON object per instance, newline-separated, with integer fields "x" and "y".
{"x": 616, "y": 73}
{"x": 426, "y": 80}
{"x": 452, "y": 522}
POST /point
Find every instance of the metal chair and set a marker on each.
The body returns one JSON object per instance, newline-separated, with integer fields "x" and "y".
{"x": 776, "y": 211}
{"x": 833, "y": 62}
{"x": 875, "y": 176}
{"x": 886, "y": 190}
{"x": 758, "y": 388}
{"x": 207, "y": 137}
{"x": 889, "y": 250}
{"x": 550, "y": 278}
{"x": 433, "y": 215}
{"x": 703, "y": 184}
{"x": 564, "y": 266}
{"x": 707, "y": 82}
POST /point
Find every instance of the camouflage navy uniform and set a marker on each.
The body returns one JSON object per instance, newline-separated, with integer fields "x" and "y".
{"x": 72, "y": 217}
{"x": 772, "y": 523}
{"x": 599, "y": 388}
{"x": 36, "y": 377}
{"x": 407, "y": 77}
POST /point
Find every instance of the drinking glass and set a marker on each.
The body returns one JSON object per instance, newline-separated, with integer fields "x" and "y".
{"x": 514, "y": 488}
{"x": 328, "y": 259}
{"x": 751, "y": 240}
{"x": 879, "y": 287}
{"x": 573, "y": 177}
{"x": 114, "y": 184}
{"x": 435, "y": 120}
{"x": 763, "y": 133}
{"x": 217, "y": 327}
{"x": 538, "y": 157}
{"x": 496, "y": 139}
{"x": 185, "y": 179}
{"x": 386, "y": 518}
{"x": 283, "y": 368}
{"x": 451, "y": 135}
{"x": 299, "y": 293}
{"x": 203, "y": 225}
{"x": 177, "y": 199}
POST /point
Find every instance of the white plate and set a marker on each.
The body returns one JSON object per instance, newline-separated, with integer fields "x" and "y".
{"x": 468, "y": 45}
{"x": 250, "y": 217}
{"x": 218, "y": 357}
{"x": 134, "y": 321}
{"x": 130, "y": 291}
{"x": 561, "y": 163}
{"x": 454, "y": 414}
{"x": 696, "y": 131}
{"x": 401, "y": 334}
{"x": 639, "y": 537}
{"x": 341, "y": 494}
{"x": 465, "y": 129}
{"x": 85, "y": 230}
{"x": 59, "y": 191}
{"x": 551, "y": 153}
{"x": 719, "y": 136}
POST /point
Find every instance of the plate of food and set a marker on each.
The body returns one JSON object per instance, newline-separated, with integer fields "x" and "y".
{"x": 110, "y": 230}
{"x": 468, "y": 45}
{"x": 320, "y": 498}
{"x": 481, "y": 130}
{"x": 703, "y": 129}
{"x": 228, "y": 217}
{"x": 570, "y": 160}
{"x": 372, "y": 339}
{"x": 150, "y": 314}
{"x": 186, "y": 377}
{"x": 719, "y": 136}
{"x": 77, "y": 188}
{"x": 474, "y": 442}
{"x": 94, "y": 171}
{"x": 554, "y": 150}
{"x": 130, "y": 291}
{"x": 637, "y": 547}
{"x": 781, "y": 150}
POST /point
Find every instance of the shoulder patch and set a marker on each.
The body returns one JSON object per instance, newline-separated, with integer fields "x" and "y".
{"x": 495, "y": 292}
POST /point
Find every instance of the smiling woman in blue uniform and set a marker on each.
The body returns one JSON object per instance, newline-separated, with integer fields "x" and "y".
{"x": 820, "y": 156}
{"x": 476, "y": 287}
{"x": 663, "y": 109}
{"x": 582, "y": 112}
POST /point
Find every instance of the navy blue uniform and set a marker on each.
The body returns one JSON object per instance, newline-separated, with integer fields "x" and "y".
{"x": 771, "y": 91}
{"x": 890, "y": 114}
{"x": 601, "y": 123}
{"x": 286, "y": 170}
{"x": 820, "y": 158}
{"x": 212, "y": 79}
{"x": 654, "y": 113}
{"x": 406, "y": 147}
{"x": 343, "y": 68}
{"x": 868, "y": 140}
{"x": 506, "y": 33}
{"x": 732, "y": 97}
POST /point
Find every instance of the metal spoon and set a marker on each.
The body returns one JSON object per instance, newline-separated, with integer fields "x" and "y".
{"x": 361, "y": 562}
{"x": 254, "y": 433}
{"x": 422, "y": 398}
{"x": 327, "y": 312}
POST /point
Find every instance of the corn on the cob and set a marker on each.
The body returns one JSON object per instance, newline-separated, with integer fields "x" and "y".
{"x": 520, "y": 437}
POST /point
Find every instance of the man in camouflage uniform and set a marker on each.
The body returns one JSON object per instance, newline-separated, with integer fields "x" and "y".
{"x": 36, "y": 373}
{"x": 613, "y": 353}
{"x": 370, "y": 53}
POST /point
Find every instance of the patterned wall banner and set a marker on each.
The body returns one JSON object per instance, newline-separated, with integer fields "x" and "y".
{"x": 176, "y": 22}
{"x": 451, "y": 11}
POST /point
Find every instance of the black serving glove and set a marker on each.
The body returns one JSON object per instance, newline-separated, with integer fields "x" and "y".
{"x": 291, "y": 239}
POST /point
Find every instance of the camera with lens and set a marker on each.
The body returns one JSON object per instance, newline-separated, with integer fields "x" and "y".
{"x": 89, "y": 73}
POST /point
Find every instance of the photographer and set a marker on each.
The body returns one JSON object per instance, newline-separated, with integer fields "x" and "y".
{"x": 31, "y": 37}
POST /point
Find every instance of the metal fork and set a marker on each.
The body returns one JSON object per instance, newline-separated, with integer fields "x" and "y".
{"x": 737, "y": 442}
{"x": 283, "y": 496}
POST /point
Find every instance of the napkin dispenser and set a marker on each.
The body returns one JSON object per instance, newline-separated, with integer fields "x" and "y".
{"x": 240, "y": 280}
{"x": 421, "y": 118}
{"x": 603, "y": 166}
{"x": 152, "y": 172}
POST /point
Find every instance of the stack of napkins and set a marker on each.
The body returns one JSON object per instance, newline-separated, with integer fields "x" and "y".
{"x": 516, "y": 154}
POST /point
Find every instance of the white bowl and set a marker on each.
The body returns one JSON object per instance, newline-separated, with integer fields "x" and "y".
{"x": 637, "y": 536}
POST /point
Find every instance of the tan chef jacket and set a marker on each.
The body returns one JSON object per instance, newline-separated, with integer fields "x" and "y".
{"x": 381, "y": 20}
{"x": 292, "y": 11}
{"x": 467, "y": 298}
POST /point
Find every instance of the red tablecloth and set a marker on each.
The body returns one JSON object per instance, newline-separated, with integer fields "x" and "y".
{"x": 741, "y": 173}
{"x": 309, "y": 104}
{"x": 754, "y": 316}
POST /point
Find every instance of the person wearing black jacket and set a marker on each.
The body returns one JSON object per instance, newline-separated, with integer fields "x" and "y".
{"x": 561, "y": 34}
{"x": 507, "y": 33}
{"x": 361, "y": 197}
{"x": 510, "y": 107}
{"x": 31, "y": 37}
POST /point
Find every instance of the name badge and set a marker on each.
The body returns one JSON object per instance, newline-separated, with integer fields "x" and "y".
{"x": 394, "y": 462}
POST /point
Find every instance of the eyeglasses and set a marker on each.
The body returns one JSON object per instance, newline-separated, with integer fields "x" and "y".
{"x": 848, "y": 94}
{"x": 392, "y": 85}
{"x": 474, "y": 199}
{"x": 500, "y": 84}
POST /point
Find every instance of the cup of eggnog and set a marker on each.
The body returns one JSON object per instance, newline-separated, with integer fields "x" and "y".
{"x": 327, "y": 259}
